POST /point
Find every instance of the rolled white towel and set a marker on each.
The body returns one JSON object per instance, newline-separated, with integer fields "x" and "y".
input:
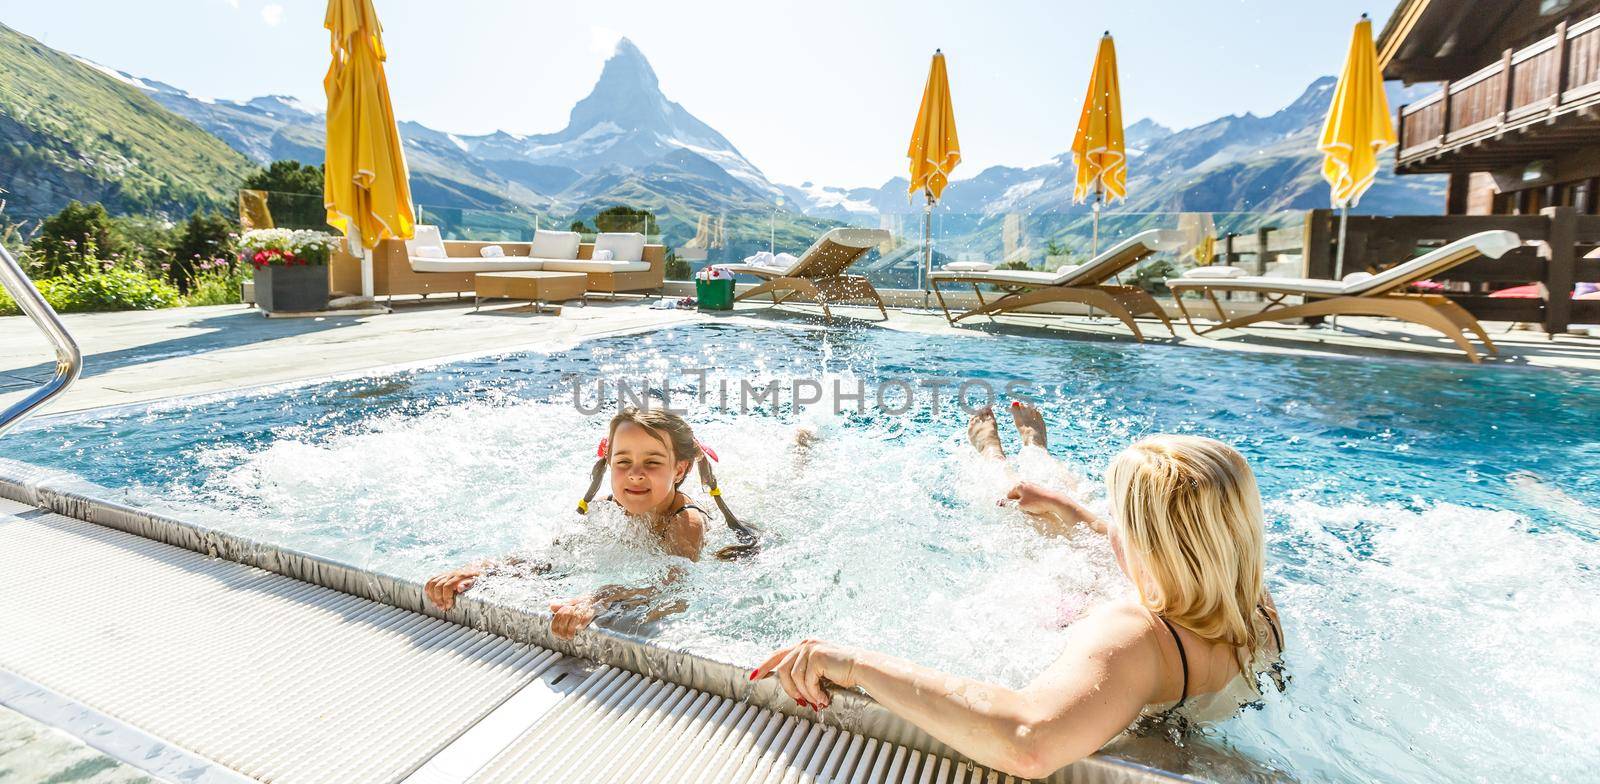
{"x": 492, "y": 252}
{"x": 760, "y": 259}
{"x": 784, "y": 260}
{"x": 604, "y": 254}
{"x": 968, "y": 266}
{"x": 1356, "y": 277}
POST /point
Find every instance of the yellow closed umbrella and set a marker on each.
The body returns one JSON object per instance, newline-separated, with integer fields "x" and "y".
{"x": 365, "y": 189}
{"x": 1097, "y": 148}
{"x": 1358, "y": 128}
{"x": 934, "y": 152}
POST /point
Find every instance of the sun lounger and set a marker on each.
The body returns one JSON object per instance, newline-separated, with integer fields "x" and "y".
{"x": 1382, "y": 294}
{"x": 1085, "y": 283}
{"x": 818, "y": 275}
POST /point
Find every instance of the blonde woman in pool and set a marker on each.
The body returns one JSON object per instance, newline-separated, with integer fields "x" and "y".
{"x": 647, "y": 454}
{"x": 1189, "y": 644}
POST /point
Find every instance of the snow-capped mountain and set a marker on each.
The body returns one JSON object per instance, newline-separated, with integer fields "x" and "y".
{"x": 627, "y": 143}
{"x": 623, "y": 128}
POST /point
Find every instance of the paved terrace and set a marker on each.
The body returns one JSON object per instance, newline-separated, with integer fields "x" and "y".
{"x": 138, "y": 356}
{"x": 199, "y": 669}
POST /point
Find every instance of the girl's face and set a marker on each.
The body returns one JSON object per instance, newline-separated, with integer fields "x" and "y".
{"x": 644, "y": 475}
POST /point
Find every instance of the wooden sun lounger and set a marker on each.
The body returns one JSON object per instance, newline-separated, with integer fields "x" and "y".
{"x": 819, "y": 274}
{"x": 1380, "y": 295}
{"x": 1086, "y": 283}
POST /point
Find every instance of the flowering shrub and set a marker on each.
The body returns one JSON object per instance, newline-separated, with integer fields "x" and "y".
{"x": 216, "y": 282}
{"x": 108, "y": 289}
{"x": 286, "y": 247}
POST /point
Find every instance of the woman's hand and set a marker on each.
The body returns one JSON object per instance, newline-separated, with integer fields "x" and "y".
{"x": 1034, "y": 499}
{"x": 802, "y": 668}
{"x": 441, "y": 589}
{"x": 570, "y": 616}
{"x": 1054, "y": 512}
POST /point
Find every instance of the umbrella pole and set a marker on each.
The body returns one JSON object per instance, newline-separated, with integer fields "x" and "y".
{"x": 1094, "y": 247}
{"x": 925, "y": 271}
{"x": 358, "y": 248}
{"x": 1338, "y": 262}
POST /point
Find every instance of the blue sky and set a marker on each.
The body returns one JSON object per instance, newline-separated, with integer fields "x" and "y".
{"x": 821, "y": 90}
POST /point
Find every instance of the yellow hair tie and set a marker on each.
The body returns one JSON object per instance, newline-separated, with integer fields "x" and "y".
{"x": 716, "y": 491}
{"x": 583, "y": 506}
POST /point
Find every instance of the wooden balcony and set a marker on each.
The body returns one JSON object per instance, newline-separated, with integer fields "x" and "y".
{"x": 1540, "y": 100}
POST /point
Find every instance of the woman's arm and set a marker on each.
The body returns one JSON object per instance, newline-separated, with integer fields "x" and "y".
{"x": 1109, "y": 670}
{"x": 1055, "y": 512}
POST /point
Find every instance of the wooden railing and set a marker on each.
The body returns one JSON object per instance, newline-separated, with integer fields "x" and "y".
{"x": 1559, "y": 253}
{"x": 1560, "y": 69}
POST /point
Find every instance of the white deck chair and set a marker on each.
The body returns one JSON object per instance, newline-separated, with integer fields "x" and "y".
{"x": 1085, "y": 283}
{"x": 1382, "y": 294}
{"x": 819, "y": 274}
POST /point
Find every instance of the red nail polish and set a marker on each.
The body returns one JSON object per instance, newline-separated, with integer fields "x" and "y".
{"x": 753, "y": 674}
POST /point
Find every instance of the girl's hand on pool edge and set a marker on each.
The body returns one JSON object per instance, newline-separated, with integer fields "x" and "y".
{"x": 802, "y": 668}
{"x": 570, "y": 616}
{"x": 441, "y": 589}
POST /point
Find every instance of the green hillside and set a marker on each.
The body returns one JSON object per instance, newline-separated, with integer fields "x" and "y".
{"x": 68, "y": 131}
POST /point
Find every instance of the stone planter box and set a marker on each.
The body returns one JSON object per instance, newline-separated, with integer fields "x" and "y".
{"x": 288, "y": 289}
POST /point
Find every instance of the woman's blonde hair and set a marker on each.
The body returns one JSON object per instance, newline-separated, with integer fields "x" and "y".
{"x": 675, "y": 434}
{"x": 1191, "y": 527}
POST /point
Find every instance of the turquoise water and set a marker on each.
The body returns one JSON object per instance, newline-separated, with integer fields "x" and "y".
{"x": 1433, "y": 539}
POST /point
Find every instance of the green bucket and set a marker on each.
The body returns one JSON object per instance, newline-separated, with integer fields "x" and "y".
{"x": 714, "y": 294}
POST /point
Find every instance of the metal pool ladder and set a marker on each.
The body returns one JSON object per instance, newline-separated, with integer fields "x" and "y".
{"x": 69, "y": 360}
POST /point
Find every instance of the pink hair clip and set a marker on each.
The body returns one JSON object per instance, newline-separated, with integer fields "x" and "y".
{"x": 706, "y": 449}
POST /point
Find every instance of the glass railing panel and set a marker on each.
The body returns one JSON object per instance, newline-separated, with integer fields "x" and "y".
{"x": 1261, "y": 243}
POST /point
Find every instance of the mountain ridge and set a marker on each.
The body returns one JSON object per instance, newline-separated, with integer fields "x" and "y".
{"x": 626, "y": 140}
{"x": 110, "y": 143}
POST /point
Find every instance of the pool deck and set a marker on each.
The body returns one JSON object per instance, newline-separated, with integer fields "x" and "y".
{"x": 133, "y": 357}
{"x": 230, "y": 669}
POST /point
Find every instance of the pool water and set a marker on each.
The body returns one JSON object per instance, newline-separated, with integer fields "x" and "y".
{"x": 1433, "y": 538}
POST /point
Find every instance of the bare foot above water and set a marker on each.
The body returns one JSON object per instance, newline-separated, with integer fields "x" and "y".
{"x": 984, "y": 434}
{"x": 1030, "y": 424}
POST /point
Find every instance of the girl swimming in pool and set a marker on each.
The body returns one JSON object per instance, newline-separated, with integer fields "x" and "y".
{"x": 1189, "y": 645}
{"x": 648, "y": 454}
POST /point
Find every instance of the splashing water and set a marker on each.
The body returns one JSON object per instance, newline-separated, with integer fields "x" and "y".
{"x": 1432, "y": 543}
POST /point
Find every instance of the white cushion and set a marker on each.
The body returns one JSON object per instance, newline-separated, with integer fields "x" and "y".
{"x": 424, "y": 236}
{"x": 555, "y": 244}
{"x": 604, "y": 255}
{"x": 492, "y": 252}
{"x": 969, "y": 266}
{"x": 469, "y": 264}
{"x": 1215, "y": 271}
{"x": 591, "y": 265}
{"x": 624, "y": 246}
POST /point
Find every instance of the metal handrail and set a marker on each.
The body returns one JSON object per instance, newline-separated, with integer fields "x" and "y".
{"x": 69, "y": 360}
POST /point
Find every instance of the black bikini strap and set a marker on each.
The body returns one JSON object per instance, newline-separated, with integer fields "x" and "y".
{"x": 687, "y": 505}
{"x": 1183, "y": 659}
{"x": 1277, "y": 636}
